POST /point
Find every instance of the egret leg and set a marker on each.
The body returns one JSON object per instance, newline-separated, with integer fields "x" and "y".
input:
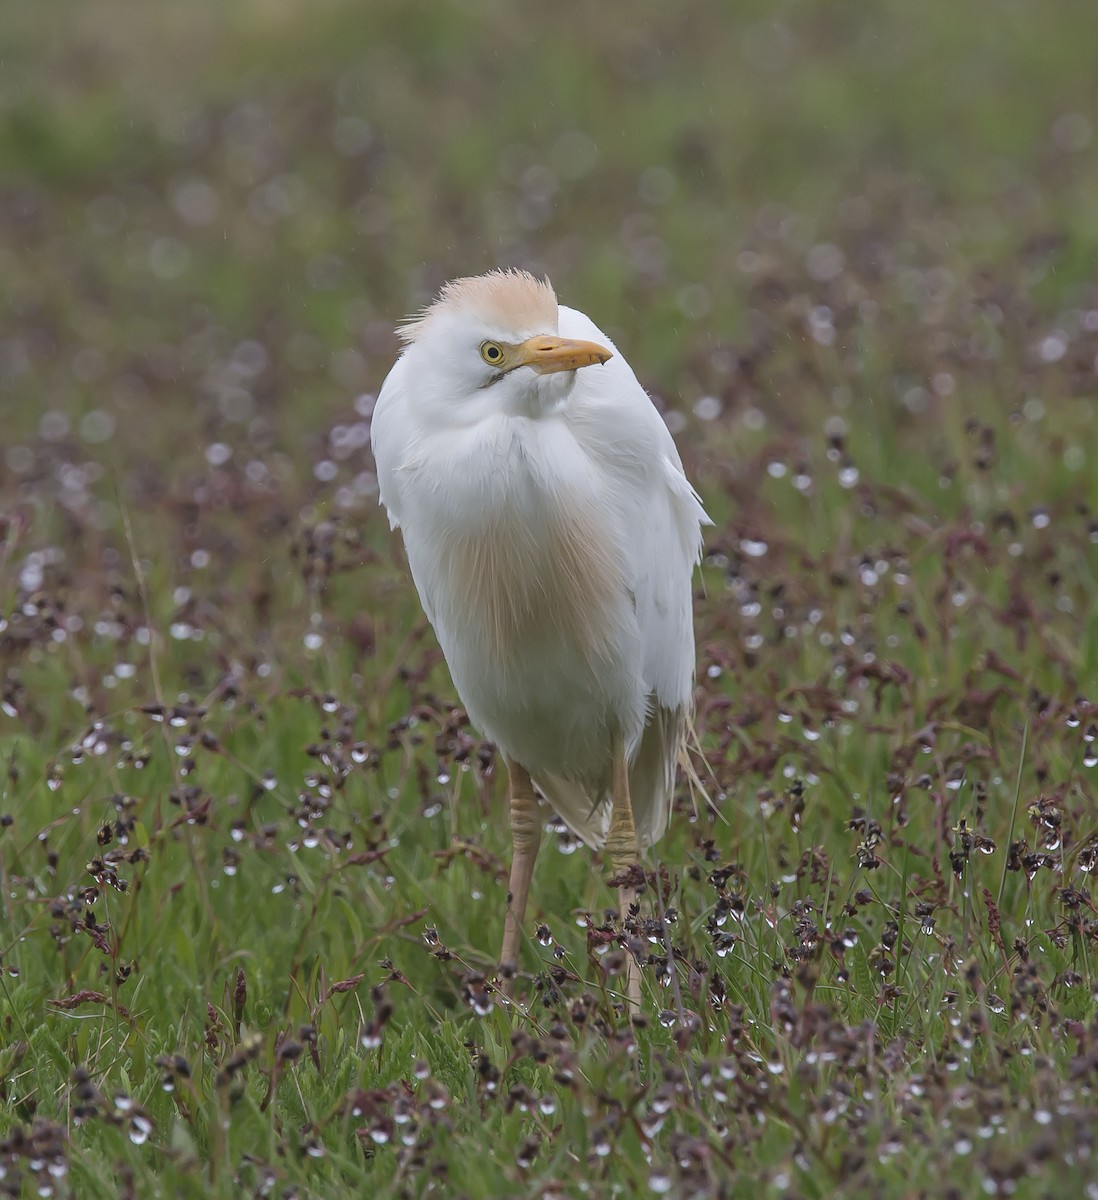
{"x": 624, "y": 851}
{"x": 525, "y": 835}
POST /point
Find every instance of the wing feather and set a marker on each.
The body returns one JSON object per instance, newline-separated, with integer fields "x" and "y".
{"x": 391, "y": 427}
{"x": 661, "y": 519}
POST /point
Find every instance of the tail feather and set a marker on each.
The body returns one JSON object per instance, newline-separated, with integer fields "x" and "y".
{"x": 651, "y": 785}
{"x": 587, "y": 818}
{"x": 652, "y": 773}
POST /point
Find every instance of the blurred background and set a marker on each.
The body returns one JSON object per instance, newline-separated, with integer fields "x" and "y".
{"x": 212, "y": 214}
{"x": 828, "y": 236}
{"x": 850, "y": 249}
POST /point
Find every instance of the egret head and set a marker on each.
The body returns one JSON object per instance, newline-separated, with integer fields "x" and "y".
{"x": 490, "y": 343}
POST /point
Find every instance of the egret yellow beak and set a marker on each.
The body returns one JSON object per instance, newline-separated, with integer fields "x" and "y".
{"x": 549, "y": 354}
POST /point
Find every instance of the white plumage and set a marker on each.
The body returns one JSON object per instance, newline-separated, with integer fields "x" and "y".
{"x": 552, "y": 536}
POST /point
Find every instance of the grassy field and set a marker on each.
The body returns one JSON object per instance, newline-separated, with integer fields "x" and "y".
{"x": 253, "y": 859}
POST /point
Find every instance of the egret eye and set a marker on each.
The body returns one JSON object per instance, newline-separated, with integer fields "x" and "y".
{"x": 491, "y": 353}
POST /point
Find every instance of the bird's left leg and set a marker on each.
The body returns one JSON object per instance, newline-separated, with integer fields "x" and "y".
{"x": 624, "y": 850}
{"x": 525, "y": 835}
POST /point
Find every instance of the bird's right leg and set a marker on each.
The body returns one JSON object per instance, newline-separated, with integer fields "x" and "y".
{"x": 525, "y": 835}
{"x": 624, "y": 851}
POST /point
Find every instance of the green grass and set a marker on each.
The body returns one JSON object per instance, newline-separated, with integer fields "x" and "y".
{"x": 253, "y": 860}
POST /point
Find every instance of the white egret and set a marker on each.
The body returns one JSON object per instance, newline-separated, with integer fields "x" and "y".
{"x": 552, "y": 537}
